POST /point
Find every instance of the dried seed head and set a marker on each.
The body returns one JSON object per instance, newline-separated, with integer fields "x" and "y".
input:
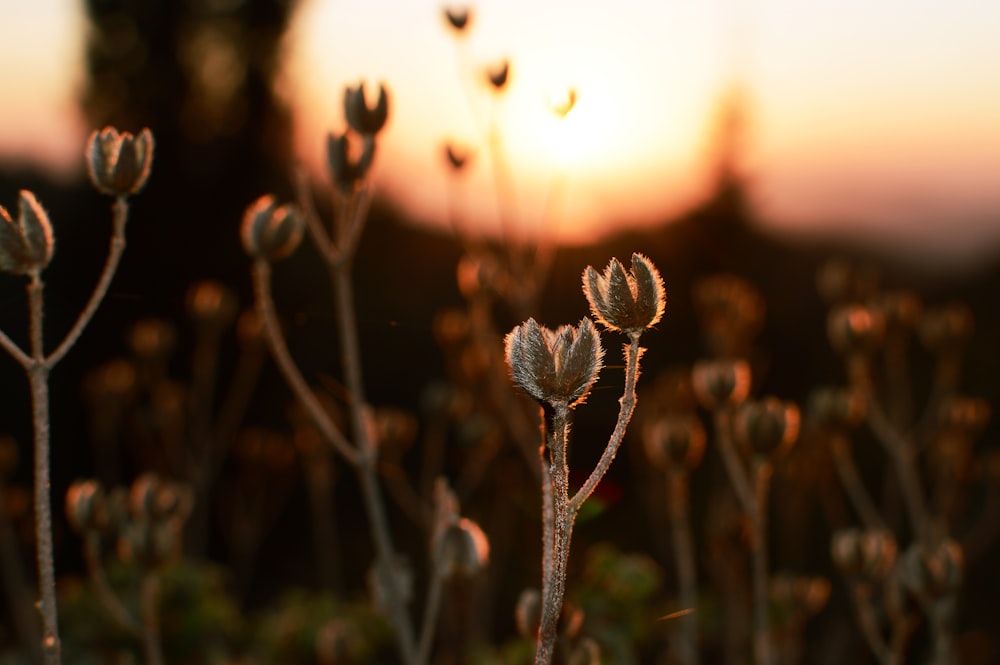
{"x": 676, "y": 440}
{"x": 719, "y": 382}
{"x": 212, "y": 305}
{"x": 458, "y": 18}
{"x": 837, "y": 407}
{"x": 271, "y": 232}
{"x": 627, "y": 301}
{"x": 768, "y": 426}
{"x": 866, "y": 554}
{"x": 462, "y": 549}
{"x": 946, "y": 329}
{"x": 528, "y": 613}
{"x": 86, "y": 506}
{"x": 498, "y": 75}
{"x": 555, "y": 366}
{"x": 26, "y": 245}
{"x": 932, "y": 572}
{"x": 119, "y": 163}
{"x": 346, "y": 172}
{"x": 855, "y": 329}
{"x": 363, "y": 119}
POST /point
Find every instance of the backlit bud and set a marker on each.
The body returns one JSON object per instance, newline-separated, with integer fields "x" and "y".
{"x": 211, "y": 304}
{"x": 345, "y": 171}
{"x": 675, "y": 440}
{"x": 462, "y": 549}
{"x": 837, "y": 407}
{"x": 555, "y": 366}
{"x": 152, "y": 339}
{"x": 363, "y": 119}
{"x": 458, "y": 17}
{"x": 854, "y": 329}
{"x": 528, "y": 613}
{"x": 933, "y": 572}
{"x": 119, "y": 163}
{"x": 868, "y": 554}
{"x": 86, "y": 506}
{"x": 944, "y": 329}
{"x": 498, "y": 75}
{"x": 800, "y": 593}
{"x": 456, "y": 157}
{"x": 271, "y": 232}
{"x": 26, "y": 245}
{"x": 628, "y": 301}
{"x": 768, "y": 426}
{"x": 718, "y": 382}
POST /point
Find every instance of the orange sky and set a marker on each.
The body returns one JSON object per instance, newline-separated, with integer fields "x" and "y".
{"x": 873, "y": 120}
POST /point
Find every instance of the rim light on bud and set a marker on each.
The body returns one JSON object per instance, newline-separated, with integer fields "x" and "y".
{"x": 364, "y": 119}
{"x": 627, "y": 301}
{"x": 271, "y": 232}
{"x": 118, "y": 162}
{"x": 555, "y": 366}
{"x": 27, "y": 244}
{"x": 344, "y": 171}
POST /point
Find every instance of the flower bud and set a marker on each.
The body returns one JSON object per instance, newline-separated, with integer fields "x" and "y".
{"x": 675, "y": 440}
{"x": 152, "y": 339}
{"x": 969, "y": 414}
{"x": 86, "y": 506}
{"x": 458, "y": 17}
{"x": 149, "y": 544}
{"x": 718, "y": 382}
{"x": 945, "y": 329}
{"x": 768, "y": 426}
{"x": 271, "y": 232}
{"x": 802, "y": 594}
{"x": 498, "y": 75}
{"x": 855, "y": 329}
{"x": 211, "y": 304}
{"x": 528, "y": 613}
{"x": 555, "y": 366}
{"x": 26, "y": 245}
{"x": 345, "y": 172}
{"x": 837, "y": 407}
{"x": 867, "y": 554}
{"x": 363, "y": 119}
{"x": 119, "y": 163}
{"x": 932, "y": 572}
{"x": 462, "y": 549}
{"x": 627, "y": 301}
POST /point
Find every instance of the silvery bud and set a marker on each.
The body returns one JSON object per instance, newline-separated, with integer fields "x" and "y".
{"x": 627, "y": 301}
{"x": 555, "y": 366}
{"x": 26, "y": 245}
{"x": 269, "y": 231}
{"x": 346, "y": 172}
{"x": 119, "y": 163}
{"x": 768, "y": 426}
{"x": 719, "y": 382}
{"x": 363, "y": 119}
{"x": 461, "y": 549}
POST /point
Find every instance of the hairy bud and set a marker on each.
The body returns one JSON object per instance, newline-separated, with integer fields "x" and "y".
{"x": 627, "y": 301}
{"x": 27, "y": 244}
{"x": 933, "y": 571}
{"x": 119, "y": 163}
{"x": 86, "y": 506}
{"x": 271, "y": 232}
{"x": 528, "y": 613}
{"x": 555, "y": 366}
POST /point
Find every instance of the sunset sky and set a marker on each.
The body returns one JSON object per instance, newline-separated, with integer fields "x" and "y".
{"x": 868, "y": 119}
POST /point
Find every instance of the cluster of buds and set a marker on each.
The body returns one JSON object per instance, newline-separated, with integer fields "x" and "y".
{"x": 366, "y": 121}
{"x": 863, "y": 554}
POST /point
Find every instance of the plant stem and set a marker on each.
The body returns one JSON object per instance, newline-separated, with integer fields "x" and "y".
{"x": 554, "y": 586}
{"x": 95, "y": 569}
{"x": 686, "y": 647}
{"x": 149, "y": 598}
{"x": 763, "y": 651}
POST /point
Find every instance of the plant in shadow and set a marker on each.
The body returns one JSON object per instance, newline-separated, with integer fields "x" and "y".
{"x": 118, "y": 165}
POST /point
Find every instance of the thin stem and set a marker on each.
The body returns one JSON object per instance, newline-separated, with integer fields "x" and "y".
{"x": 686, "y": 644}
{"x": 862, "y": 596}
{"x": 763, "y": 651}
{"x": 8, "y": 345}
{"x": 626, "y": 405}
{"x": 38, "y": 378}
{"x": 431, "y": 610}
{"x": 119, "y": 218}
{"x": 149, "y": 598}
{"x": 313, "y": 223}
{"x": 14, "y": 580}
{"x": 562, "y": 529}
{"x": 731, "y": 460}
{"x": 850, "y": 479}
{"x": 279, "y": 350}
{"x": 95, "y": 570}
{"x": 901, "y": 451}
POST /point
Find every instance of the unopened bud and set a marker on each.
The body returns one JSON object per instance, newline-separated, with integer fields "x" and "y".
{"x": 119, "y": 163}
{"x": 458, "y": 17}
{"x": 269, "y": 231}
{"x": 363, "y": 119}
{"x": 837, "y": 407}
{"x": 933, "y": 572}
{"x": 855, "y": 329}
{"x": 675, "y": 441}
{"x": 969, "y": 414}
{"x": 152, "y": 339}
{"x": 867, "y": 554}
{"x": 27, "y": 244}
{"x": 211, "y": 304}
{"x": 345, "y": 171}
{"x": 528, "y": 613}
{"x": 627, "y": 301}
{"x": 463, "y": 550}
{"x": 720, "y": 382}
{"x": 498, "y": 75}
{"x": 555, "y": 366}
{"x": 86, "y": 506}
{"x": 768, "y": 426}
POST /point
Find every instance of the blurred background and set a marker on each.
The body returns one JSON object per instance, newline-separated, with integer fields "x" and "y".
{"x": 755, "y": 137}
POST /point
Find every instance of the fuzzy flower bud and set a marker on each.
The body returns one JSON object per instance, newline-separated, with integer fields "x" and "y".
{"x": 718, "y": 382}
{"x": 627, "y": 301}
{"x": 676, "y": 440}
{"x": 768, "y": 426}
{"x": 461, "y": 549}
{"x": 344, "y": 171}
{"x": 933, "y": 572}
{"x": 363, "y": 119}
{"x": 271, "y": 232}
{"x": 528, "y": 613}
{"x": 26, "y": 245}
{"x": 119, "y": 163}
{"x": 555, "y": 366}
